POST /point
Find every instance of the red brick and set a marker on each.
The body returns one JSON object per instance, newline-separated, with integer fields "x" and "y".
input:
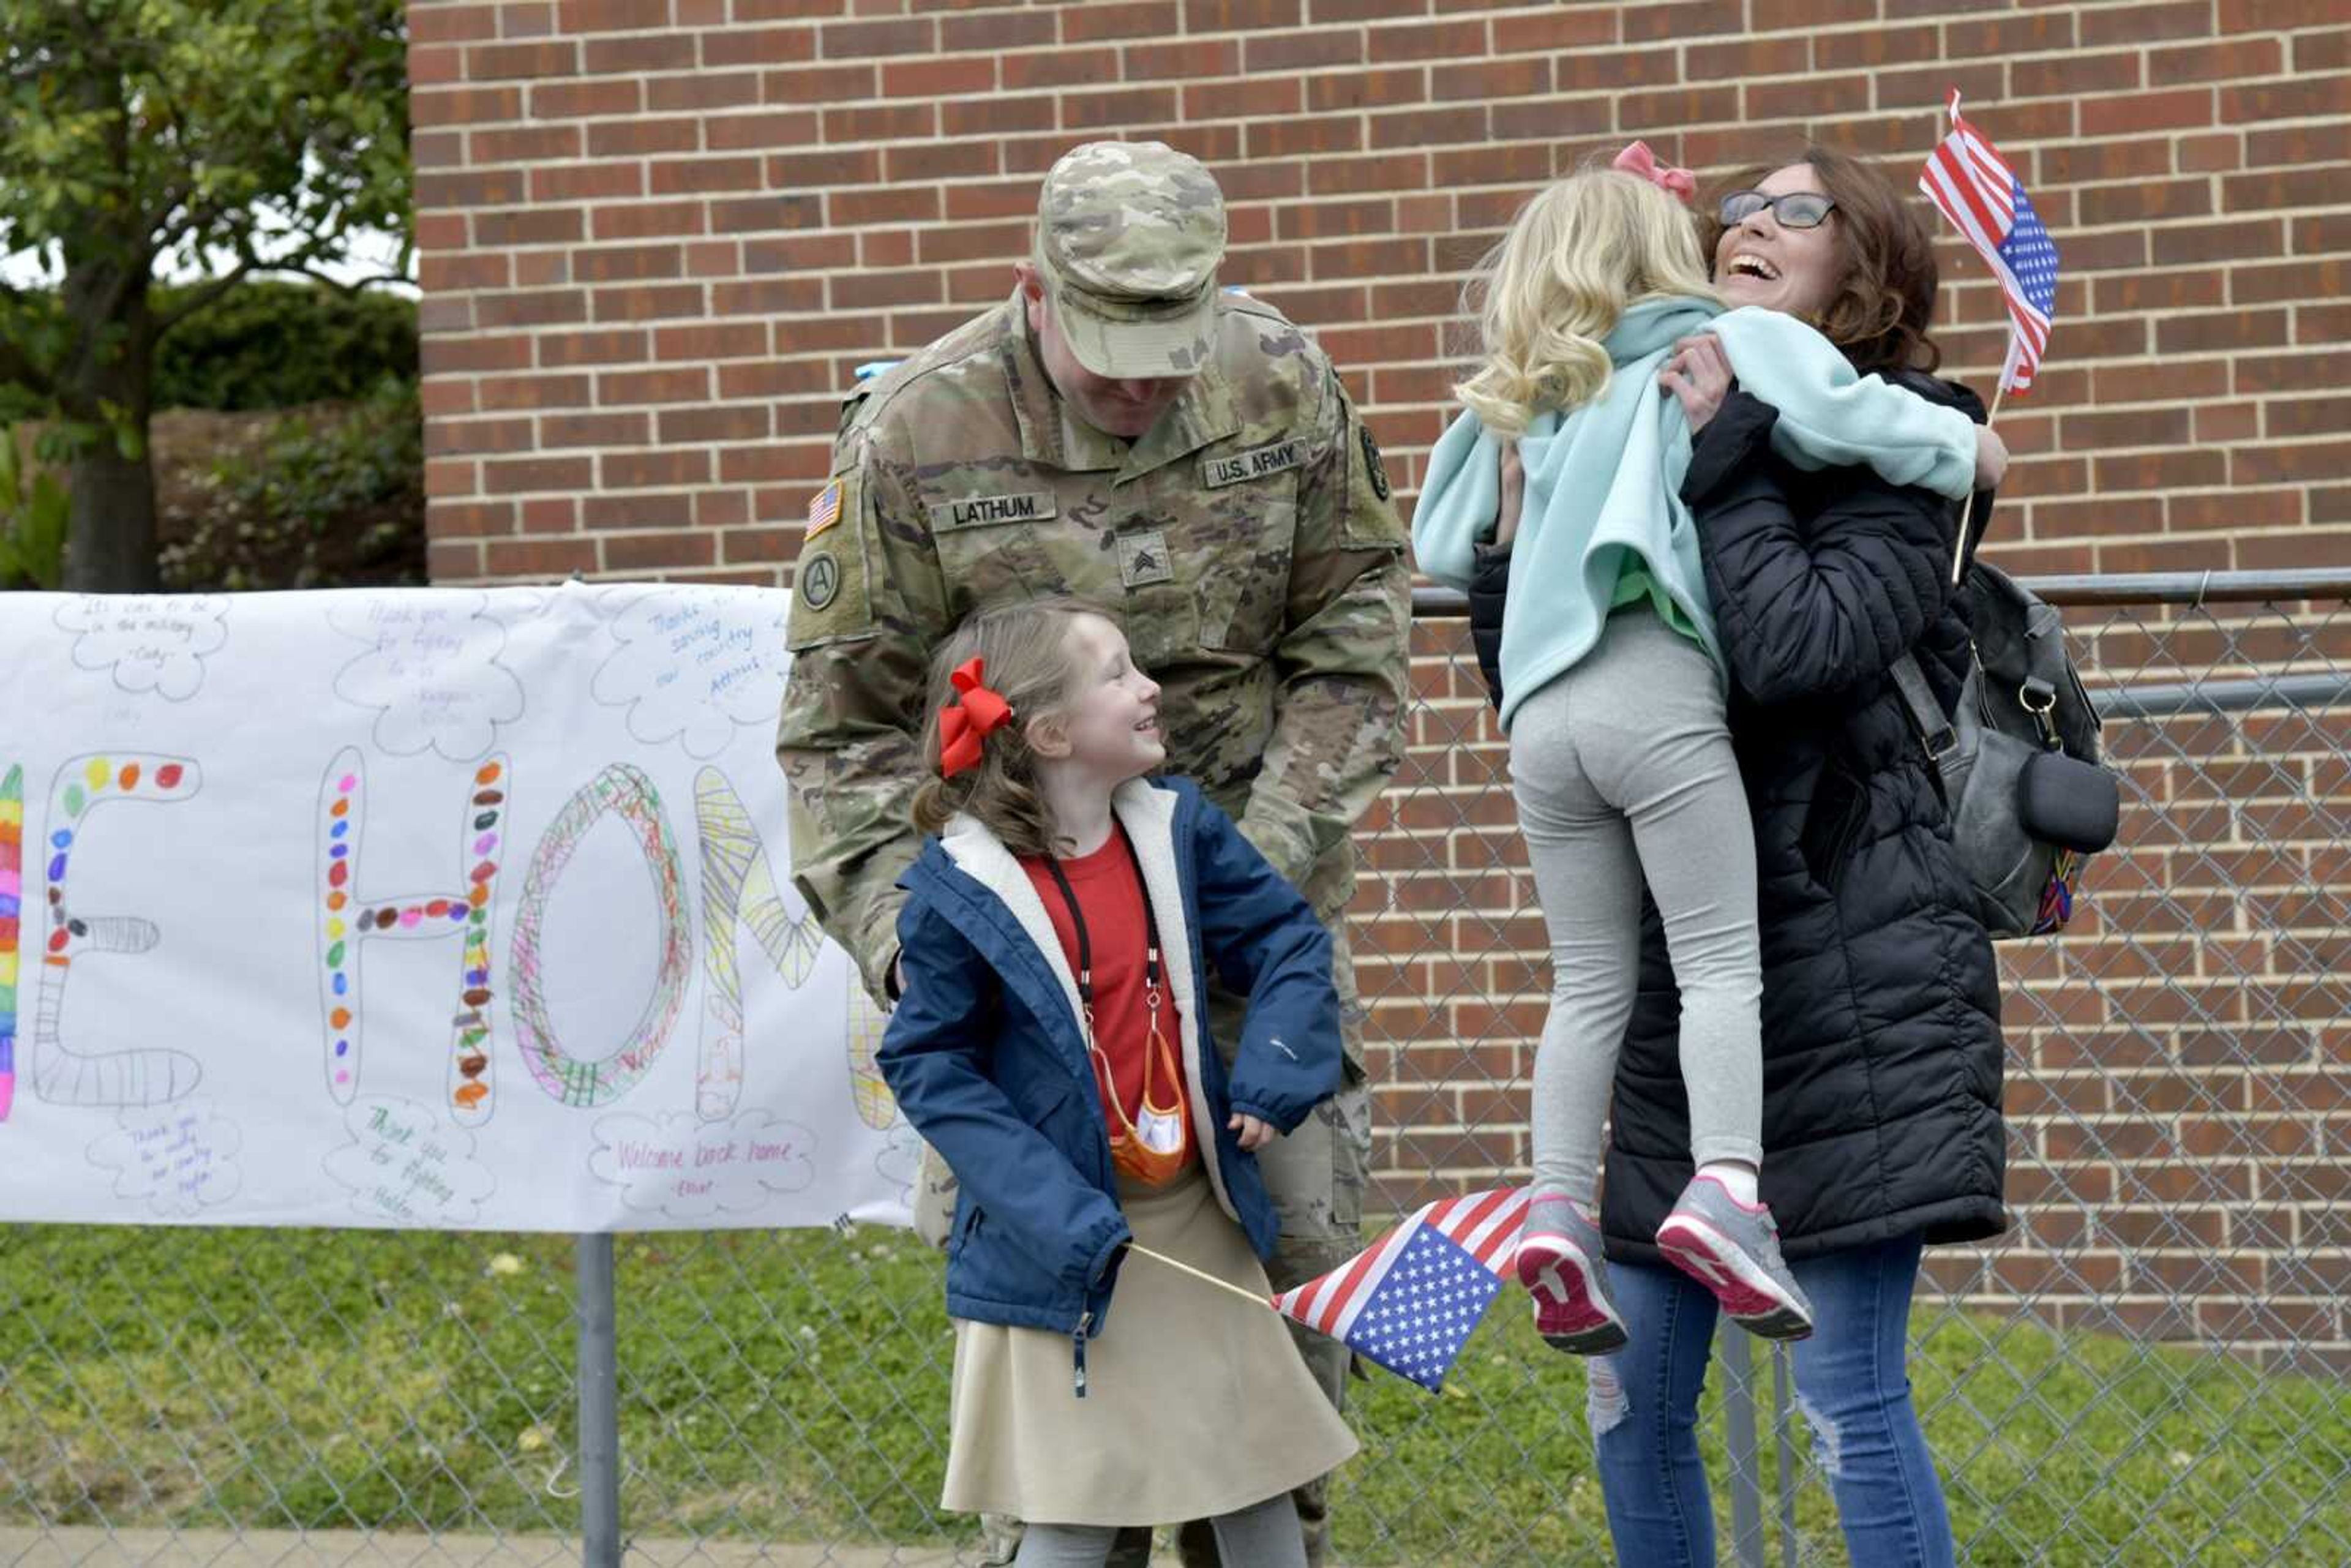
{"x": 938, "y": 78}
{"x": 642, "y": 302}
{"x": 852, "y": 40}
{"x": 880, "y": 123}
{"x": 1240, "y": 16}
{"x": 651, "y": 552}
{"x": 1181, "y": 61}
{"x": 676, "y": 176}
{"x": 1252, "y": 98}
{"x": 2171, "y": 111}
{"x": 497, "y": 188}
{"x": 1427, "y": 41}
{"x": 507, "y": 476}
{"x": 608, "y": 347}
{"x": 1026, "y": 30}
{"x": 467, "y": 105}
{"x": 1490, "y": 80}
{"x": 540, "y": 307}
{"x": 942, "y": 159}
{"x": 602, "y": 513}
{"x": 603, "y": 16}
{"x": 768, "y": 296}
{"x": 452, "y": 24}
{"x": 493, "y": 62}
{"x": 822, "y": 84}
{"x": 1303, "y": 51}
{"x": 2145, "y": 24}
{"x": 2308, "y": 98}
{"x": 1663, "y": 23}
{"x": 1119, "y": 19}
{"x": 584, "y": 100}
{"x": 1303, "y": 138}
{"x": 540, "y": 557}
{"x": 637, "y": 138}
{"x": 702, "y": 92}
{"x": 561, "y": 429}
{"x": 1559, "y": 27}
{"x": 757, "y": 47}
{"x": 452, "y": 437}
{"x": 531, "y": 144}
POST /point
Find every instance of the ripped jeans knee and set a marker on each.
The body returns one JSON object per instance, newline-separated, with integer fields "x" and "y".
{"x": 1606, "y": 1405}
{"x": 1828, "y": 1440}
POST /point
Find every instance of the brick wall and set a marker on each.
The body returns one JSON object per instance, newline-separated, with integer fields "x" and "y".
{"x": 657, "y": 235}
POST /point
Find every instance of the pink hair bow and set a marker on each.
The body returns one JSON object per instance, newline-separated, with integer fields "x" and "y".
{"x": 1640, "y": 163}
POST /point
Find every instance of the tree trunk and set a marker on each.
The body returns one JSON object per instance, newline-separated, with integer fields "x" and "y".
{"x": 109, "y": 384}
{"x": 111, "y": 546}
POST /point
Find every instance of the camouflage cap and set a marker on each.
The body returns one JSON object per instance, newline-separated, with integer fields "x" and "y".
{"x": 1129, "y": 235}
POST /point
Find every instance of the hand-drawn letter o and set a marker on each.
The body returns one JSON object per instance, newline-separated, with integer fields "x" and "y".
{"x": 628, "y": 794}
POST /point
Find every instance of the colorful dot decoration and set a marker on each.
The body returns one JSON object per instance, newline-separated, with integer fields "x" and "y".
{"x": 82, "y": 786}
{"x": 12, "y": 898}
{"x": 348, "y": 919}
{"x": 82, "y": 789}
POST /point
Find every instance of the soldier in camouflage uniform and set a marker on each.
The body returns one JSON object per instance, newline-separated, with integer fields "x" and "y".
{"x": 1121, "y": 431}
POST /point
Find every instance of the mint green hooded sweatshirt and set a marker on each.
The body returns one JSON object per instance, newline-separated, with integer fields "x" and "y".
{"x": 1603, "y": 484}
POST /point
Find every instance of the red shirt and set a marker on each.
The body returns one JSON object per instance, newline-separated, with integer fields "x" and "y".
{"x": 1110, "y": 890}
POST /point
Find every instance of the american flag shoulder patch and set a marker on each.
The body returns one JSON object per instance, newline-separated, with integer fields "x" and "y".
{"x": 825, "y": 510}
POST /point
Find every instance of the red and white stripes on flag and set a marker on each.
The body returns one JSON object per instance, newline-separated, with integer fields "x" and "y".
{"x": 1483, "y": 1224}
{"x": 1971, "y": 184}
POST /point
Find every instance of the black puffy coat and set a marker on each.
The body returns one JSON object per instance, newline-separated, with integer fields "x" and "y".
{"x": 1882, "y": 1051}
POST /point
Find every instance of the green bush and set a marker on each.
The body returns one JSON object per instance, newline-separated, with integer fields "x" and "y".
{"x": 34, "y": 513}
{"x": 273, "y": 344}
{"x": 333, "y": 498}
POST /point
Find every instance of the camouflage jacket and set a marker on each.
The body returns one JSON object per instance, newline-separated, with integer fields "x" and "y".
{"x": 1247, "y": 544}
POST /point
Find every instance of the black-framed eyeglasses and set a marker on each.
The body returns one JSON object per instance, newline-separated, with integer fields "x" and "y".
{"x": 1791, "y": 209}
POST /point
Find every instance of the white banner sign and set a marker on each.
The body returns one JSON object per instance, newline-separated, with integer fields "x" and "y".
{"x": 439, "y": 908}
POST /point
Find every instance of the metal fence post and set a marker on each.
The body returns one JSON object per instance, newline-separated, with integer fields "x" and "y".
{"x": 600, "y": 1422}
{"x": 1733, "y": 1348}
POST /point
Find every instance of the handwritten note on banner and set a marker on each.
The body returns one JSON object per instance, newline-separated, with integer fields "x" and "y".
{"x": 450, "y": 909}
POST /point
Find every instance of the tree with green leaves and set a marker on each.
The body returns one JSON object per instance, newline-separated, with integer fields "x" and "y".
{"x": 228, "y": 137}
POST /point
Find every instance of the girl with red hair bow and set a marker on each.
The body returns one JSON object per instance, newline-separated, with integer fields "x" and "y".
{"x": 1051, "y": 1043}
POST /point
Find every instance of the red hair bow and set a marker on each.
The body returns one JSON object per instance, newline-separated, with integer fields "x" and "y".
{"x": 964, "y": 723}
{"x": 1642, "y": 164}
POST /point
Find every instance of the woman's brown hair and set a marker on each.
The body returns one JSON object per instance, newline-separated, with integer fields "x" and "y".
{"x": 1024, "y": 649}
{"x": 1884, "y": 297}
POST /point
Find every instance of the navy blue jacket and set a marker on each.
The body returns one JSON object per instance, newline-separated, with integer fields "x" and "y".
{"x": 987, "y": 1052}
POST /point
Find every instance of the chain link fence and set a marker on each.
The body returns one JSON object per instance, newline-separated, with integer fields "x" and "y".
{"x": 2149, "y": 1367}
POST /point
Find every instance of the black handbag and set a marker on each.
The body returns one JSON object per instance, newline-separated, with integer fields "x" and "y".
{"x": 2019, "y": 760}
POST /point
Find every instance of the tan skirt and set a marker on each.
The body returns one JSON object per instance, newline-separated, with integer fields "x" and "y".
{"x": 1197, "y": 1403}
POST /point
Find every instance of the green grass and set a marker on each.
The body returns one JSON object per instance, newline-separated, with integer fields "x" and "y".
{"x": 794, "y": 1387}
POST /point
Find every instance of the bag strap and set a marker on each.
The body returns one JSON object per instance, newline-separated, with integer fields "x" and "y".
{"x": 1936, "y": 731}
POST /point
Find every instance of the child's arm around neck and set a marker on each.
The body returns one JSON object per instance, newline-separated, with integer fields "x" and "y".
{"x": 1833, "y": 417}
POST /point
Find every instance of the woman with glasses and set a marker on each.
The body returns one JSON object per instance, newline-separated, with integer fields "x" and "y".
{"x": 1882, "y": 1130}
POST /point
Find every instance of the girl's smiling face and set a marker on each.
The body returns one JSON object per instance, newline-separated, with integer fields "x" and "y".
{"x": 1111, "y": 723}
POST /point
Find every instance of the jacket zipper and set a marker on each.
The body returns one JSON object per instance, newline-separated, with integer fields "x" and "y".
{"x": 1078, "y": 1351}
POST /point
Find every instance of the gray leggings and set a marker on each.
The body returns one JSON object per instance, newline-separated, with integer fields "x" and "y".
{"x": 1623, "y": 771}
{"x": 1263, "y": 1536}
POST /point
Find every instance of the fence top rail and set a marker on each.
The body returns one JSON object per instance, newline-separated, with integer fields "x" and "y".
{"x": 2316, "y": 583}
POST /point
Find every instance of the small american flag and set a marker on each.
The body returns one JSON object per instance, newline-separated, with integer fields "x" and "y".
{"x": 1971, "y": 184}
{"x": 1410, "y": 1301}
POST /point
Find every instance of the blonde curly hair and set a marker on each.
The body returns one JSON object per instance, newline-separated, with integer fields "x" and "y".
{"x": 1576, "y": 257}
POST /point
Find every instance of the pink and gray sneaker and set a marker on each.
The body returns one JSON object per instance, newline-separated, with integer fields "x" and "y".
{"x": 1733, "y": 1250}
{"x": 1560, "y": 1264}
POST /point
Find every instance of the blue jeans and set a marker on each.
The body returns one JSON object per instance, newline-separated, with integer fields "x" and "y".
{"x": 1851, "y": 1384}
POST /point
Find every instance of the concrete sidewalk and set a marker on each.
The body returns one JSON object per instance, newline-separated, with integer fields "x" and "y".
{"x": 22, "y": 1548}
